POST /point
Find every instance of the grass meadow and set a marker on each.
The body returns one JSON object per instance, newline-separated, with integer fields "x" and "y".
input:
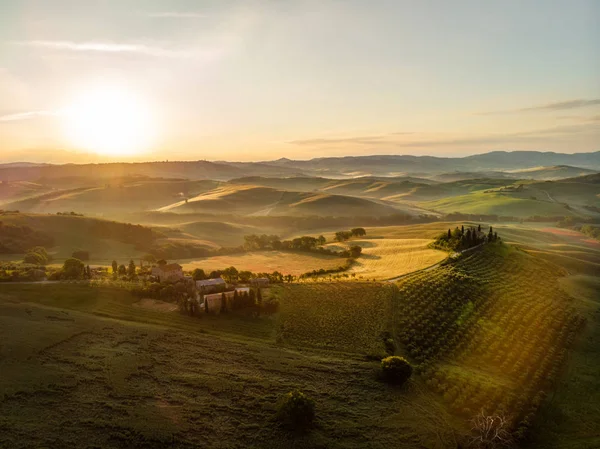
{"x": 87, "y": 369}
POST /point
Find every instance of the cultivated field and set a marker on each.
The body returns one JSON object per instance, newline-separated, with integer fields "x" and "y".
{"x": 387, "y": 258}
{"x": 343, "y": 316}
{"x": 294, "y": 263}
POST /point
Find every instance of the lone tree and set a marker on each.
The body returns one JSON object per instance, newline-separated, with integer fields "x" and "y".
{"x": 296, "y": 411}
{"x": 396, "y": 370}
{"x": 223, "y": 302}
{"x": 199, "y": 274}
{"x": 355, "y": 251}
{"x": 358, "y": 232}
{"x": 131, "y": 269}
{"x": 73, "y": 268}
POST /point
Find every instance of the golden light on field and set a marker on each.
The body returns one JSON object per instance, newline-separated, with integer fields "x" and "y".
{"x": 109, "y": 121}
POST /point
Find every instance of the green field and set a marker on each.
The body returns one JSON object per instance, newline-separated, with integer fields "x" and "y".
{"x": 498, "y": 204}
{"x": 85, "y": 369}
{"x": 96, "y": 367}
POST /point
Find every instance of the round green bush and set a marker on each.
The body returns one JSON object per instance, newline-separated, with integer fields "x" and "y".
{"x": 396, "y": 370}
{"x": 296, "y": 410}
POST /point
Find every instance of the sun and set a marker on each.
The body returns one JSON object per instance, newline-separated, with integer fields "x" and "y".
{"x": 109, "y": 121}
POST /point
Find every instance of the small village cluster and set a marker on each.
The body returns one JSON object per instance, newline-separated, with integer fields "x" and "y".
{"x": 212, "y": 295}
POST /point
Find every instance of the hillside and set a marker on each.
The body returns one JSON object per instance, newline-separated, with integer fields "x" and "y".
{"x": 551, "y": 173}
{"x": 112, "y": 197}
{"x": 498, "y": 203}
{"x": 336, "y": 167}
{"x": 256, "y": 200}
{"x": 104, "y": 239}
{"x": 395, "y": 165}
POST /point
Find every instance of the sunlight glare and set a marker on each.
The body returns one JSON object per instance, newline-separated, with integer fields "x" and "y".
{"x": 109, "y": 121}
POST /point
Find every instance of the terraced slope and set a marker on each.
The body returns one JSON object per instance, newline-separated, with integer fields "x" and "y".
{"x": 485, "y": 335}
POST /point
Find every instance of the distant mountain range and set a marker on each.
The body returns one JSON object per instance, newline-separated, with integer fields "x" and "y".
{"x": 500, "y": 164}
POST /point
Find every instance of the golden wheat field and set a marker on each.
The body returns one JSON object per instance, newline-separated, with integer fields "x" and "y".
{"x": 267, "y": 262}
{"x": 389, "y": 258}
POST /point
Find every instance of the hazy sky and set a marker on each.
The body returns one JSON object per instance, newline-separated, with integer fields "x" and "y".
{"x": 253, "y": 80}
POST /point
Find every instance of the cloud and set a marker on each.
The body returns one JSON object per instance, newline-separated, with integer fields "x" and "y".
{"x": 359, "y": 140}
{"x": 108, "y": 47}
{"x": 176, "y": 15}
{"x": 26, "y": 115}
{"x": 556, "y": 106}
{"x": 389, "y": 141}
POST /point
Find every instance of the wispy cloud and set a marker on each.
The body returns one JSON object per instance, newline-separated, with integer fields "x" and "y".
{"x": 176, "y": 15}
{"x": 358, "y": 140}
{"x": 26, "y": 115}
{"x": 556, "y": 106}
{"x": 108, "y": 47}
{"x": 394, "y": 140}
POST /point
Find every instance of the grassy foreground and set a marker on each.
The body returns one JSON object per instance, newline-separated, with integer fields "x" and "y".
{"x": 82, "y": 370}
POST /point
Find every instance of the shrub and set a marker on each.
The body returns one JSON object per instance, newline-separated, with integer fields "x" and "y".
{"x": 37, "y": 256}
{"x": 396, "y": 369}
{"x": 296, "y": 410}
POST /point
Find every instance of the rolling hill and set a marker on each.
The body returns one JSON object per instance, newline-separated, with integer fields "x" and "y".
{"x": 336, "y": 167}
{"x": 550, "y": 173}
{"x": 256, "y": 200}
{"x": 112, "y": 198}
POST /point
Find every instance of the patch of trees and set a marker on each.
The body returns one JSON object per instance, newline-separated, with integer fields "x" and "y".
{"x": 342, "y": 236}
{"x": 18, "y": 239}
{"x": 73, "y": 214}
{"x": 21, "y": 273}
{"x": 592, "y": 231}
{"x": 178, "y": 292}
{"x": 324, "y": 272}
{"x": 273, "y": 242}
{"x": 459, "y": 239}
{"x": 588, "y": 228}
{"x": 36, "y": 256}
{"x": 307, "y": 243}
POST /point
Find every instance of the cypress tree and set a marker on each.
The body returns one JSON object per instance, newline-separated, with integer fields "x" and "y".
{"x": 223, "y": 302}
{"x": 258, "y": 296}
{"x": 236, "y": 299}
{"x": 205, "y": 305}
{"x": 449, "y": 234}
{"x": 252, "y": 298}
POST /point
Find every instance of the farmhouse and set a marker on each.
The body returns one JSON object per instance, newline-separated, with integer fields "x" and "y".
{"x": 211, "y": 285}
{"x": 259, "y": 282}
{"x": 172, "y": 272}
